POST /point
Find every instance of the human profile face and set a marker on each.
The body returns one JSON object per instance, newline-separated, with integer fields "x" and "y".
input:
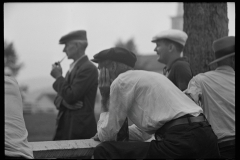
{"x": 71, "y": 50}
{"x": 162, "y": 50}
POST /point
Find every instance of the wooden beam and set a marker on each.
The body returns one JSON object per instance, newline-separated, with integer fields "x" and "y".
{"x": 64, "y": 149}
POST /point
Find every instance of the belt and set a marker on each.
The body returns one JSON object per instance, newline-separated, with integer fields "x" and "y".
{"x": 226, "y": 143}
{"x": 179, "y": 121}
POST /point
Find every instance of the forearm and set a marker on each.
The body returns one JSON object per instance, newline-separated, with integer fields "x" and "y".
{"x": 104, "y": 103}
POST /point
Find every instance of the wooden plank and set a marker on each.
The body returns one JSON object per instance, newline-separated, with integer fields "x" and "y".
{"x": 64, "y": 149}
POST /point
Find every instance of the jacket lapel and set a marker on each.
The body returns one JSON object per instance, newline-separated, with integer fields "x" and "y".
{"x": 69, "y": 76}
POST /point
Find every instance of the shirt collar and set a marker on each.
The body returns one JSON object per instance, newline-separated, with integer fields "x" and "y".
{"x": 167, "y": 68}
{"x": 75, "y": 62}
{"x": 225, "y": 67}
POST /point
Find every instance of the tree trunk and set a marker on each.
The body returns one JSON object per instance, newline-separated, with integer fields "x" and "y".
{"x": 204, "y": 23}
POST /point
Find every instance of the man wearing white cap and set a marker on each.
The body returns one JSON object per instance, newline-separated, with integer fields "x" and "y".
{"x": 169, "y": 45}
{"x": 214, "y": 91}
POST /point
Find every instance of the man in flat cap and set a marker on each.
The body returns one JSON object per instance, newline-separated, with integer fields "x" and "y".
{"x": 76, "y": 92}
{"x": 155, "y": 106}
{"x": 214, "y": 91}
{"x": 169, "y": 45}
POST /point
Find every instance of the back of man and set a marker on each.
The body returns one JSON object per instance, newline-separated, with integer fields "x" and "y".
{"x": 155, "y": 106}
{"x": 179, "y": 73}
{"x": 16, "y": 143}
{"x": 214, "y": 91}
{"x": 222, "y": 84}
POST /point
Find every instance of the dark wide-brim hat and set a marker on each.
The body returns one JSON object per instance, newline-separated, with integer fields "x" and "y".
{"x": 79, "y": 35}
{"x": 223, "y": 48}
{"x": 117, "y": 54}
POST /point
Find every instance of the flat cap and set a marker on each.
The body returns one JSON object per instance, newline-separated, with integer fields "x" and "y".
{"x": 117, "y": 54}
{"x": 172, "y": 34}
{"x": 74, "y": 35}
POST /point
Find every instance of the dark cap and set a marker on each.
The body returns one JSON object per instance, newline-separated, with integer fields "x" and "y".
{"x": 117, "y": 54}
{"x": 74, "y": 35}
{"x": 223, "y": 48}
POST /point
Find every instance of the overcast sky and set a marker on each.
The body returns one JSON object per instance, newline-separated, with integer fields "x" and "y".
{"x": 35, "y": 29}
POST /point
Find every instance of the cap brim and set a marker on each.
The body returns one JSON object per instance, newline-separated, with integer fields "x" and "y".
{"x": 219, "y": 59}
{"x": 95, "y": 60}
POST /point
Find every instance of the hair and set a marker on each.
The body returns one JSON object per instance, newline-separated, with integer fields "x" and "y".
{"x": 83, "y": 43}
{"x": 120, "y": 67}
{"x": 179, "y": 47}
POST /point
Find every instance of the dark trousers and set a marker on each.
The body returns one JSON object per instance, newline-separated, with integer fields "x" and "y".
{"x": 227, "y": 152}
{"x": 195, "y": 140}
{"x": 9, "y": 157}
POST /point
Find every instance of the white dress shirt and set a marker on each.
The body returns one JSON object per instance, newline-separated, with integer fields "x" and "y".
{"x": 16, "y": 143}
{"x": 148, "y": 99}
{"x": 214, "y": 91}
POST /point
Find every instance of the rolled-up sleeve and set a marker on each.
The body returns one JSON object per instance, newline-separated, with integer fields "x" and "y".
{"x": 111, "y": 122}
{"x": 194, "y": 91}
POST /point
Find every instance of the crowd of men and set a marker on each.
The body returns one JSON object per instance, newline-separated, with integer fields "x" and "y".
{"x": 174, "y": 114}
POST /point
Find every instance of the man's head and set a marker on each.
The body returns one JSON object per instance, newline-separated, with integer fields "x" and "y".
{"x": 169, "y": 43}
{"x": 75, "y": 43}
{"x": 224, "y": 49}
{"x": 117, "y": 60}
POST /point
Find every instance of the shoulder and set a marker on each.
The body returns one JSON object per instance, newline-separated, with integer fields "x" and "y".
{"x": 202, "y": 76}
{"x": 180, "y": 64}
{"x": 10, "y": 81}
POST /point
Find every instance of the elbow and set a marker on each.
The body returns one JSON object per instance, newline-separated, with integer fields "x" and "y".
{"x": 70, "y": 99}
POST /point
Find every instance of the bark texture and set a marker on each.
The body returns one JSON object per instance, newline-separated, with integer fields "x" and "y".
{"x": 204, "y": 23}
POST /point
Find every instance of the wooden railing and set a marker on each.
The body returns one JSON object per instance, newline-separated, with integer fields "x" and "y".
{"x": 64, "y": 149}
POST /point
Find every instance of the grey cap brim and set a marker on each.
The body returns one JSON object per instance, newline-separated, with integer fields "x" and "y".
{"x": 219, "y": 59}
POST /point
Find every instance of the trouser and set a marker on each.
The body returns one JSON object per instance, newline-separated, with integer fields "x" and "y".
{"x": 195, "y": 140}
{"x": 227, "y": 152}
{"x": 10, "y": 157}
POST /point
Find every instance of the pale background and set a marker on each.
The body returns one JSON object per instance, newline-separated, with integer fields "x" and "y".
{"x": 35, "y": 29}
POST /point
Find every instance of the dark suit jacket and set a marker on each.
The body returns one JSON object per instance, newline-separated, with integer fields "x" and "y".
{"x": 80, "y": 85}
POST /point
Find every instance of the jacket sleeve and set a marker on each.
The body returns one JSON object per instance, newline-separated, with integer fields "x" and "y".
{"x": 83, "y": 79}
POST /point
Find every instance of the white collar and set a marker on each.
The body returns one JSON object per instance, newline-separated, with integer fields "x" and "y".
{"x": 75, "y": 62}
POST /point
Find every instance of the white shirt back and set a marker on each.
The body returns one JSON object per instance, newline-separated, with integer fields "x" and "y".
{"x": 16, "y": 143}
{"x": 217, "y": 89}
{"x": 148, "y": 99}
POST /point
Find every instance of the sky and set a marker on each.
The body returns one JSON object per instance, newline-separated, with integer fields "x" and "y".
{"x": 35, "y": 30}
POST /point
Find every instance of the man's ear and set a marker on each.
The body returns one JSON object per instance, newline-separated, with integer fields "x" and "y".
{"x": 114, "y": 66}
{"x": 171, "y": 47}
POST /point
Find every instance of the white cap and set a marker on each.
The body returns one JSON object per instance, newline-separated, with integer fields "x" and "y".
{"x": 172, "y": 34}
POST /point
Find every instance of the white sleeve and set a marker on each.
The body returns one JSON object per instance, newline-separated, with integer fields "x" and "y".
{"x": 137, "y": 134}
{"x": 194, "y": 91}
{"x": 111, "y": 122}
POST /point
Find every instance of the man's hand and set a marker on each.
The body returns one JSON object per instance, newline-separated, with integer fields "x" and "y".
{"x": 95, "y": 137}
{"x": 104, "y": 87}
{"x": 56, "y": 71}
{"x": 104, "y": 82}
